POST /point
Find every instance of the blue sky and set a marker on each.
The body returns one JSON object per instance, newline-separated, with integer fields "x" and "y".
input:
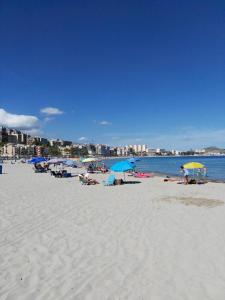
{"x": 116, "y": 72}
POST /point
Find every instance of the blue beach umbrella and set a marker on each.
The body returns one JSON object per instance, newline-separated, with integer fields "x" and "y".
{"x": 122, "y": 166}
{"x": 37, "y": 160}
{"x": 71, "y": 163}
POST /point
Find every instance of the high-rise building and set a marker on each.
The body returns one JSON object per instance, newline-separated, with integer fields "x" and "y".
{"x": 3, "y": 135}
{"x": 91, "y": 149}
{"x": 13, "y": 139}
{"x": 103, "y": 150}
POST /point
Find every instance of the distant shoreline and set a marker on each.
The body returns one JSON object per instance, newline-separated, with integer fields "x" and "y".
{"x": 164, "y": 156}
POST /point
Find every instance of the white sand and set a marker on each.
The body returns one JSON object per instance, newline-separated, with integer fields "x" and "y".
{"x": 153, "y": 240}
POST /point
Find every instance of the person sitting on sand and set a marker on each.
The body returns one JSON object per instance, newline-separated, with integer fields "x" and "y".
{"x": 85, "y": 178}
{"x": 90, "y": 168}
{"x": 46, "y": 167}
{"x": 38, "y": 166}
{"x": 185, "y": 174}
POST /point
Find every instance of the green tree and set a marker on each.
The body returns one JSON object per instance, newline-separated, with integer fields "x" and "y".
{"x": 54, "y": 151}
{"x": 77, "y": 152}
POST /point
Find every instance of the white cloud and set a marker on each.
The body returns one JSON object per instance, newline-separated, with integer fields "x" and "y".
{"x": 51, "y": 111}
{"x": 105, "y": 123}
{"x": 83, "y": 138}
{"x": 18, "y": 121}
{"x": 176, "y": 138}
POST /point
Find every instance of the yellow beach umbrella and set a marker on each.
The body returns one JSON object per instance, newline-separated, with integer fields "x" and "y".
{"x": 193, "y": 165}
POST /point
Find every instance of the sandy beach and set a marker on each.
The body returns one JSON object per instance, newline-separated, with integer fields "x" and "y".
{"x": 151, "y": 240}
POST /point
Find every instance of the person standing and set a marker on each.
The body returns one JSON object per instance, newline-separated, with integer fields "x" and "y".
{"x": 186, "y": 174}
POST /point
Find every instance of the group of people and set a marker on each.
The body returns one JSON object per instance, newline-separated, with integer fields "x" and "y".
{"x": 84, "y": 177}
{"x": 92, "y": 168}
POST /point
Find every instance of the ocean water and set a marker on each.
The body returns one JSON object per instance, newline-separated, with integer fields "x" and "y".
{"x": 171, "y": 165}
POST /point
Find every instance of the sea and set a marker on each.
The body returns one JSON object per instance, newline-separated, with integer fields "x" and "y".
{"x": 170, "y": 165}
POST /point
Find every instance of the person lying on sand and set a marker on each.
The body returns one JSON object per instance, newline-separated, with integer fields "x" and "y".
{"x": 84, "y": 178}
{"x": 170, "y": 179}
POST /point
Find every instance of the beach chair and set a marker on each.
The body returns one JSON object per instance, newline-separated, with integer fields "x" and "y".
{"x": 110, "y": 181}
{"x": 87, "y": 181}
{"x": 83, "y": 180}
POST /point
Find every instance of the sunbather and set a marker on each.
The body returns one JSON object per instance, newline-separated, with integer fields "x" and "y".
{"x": 85, "y": 180}
{"x": 61, "y": 174}
{"x": 38, "y": 168}
{"x": 56, "y": 173}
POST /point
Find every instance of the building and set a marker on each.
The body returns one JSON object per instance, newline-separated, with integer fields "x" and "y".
{"x": 113, "y": 151}
{"x": 56, "y": 142}
{"x": 176, "y": 152}
{"x": 139, "y": 149}
{"x": 91, "y": 149}
{"x": 65, "y": 151}
{"x": 123, "y": 151}
{"x": 200, "y": 151}
{"x": 67, "y": 143}
{"x": 151, "y": 152}
{"x": 102, "y": 150}
{"x": 9, "y": 150}
{"x": 30, "y": 140}
{"x": 22, "y": 150}
{"x": 24, "y": 138}
{"x": 3, "y": 135}
{"x": 160, "y": 151}
{"x": 13, "y": 136}
{"x": 12, "y": 139}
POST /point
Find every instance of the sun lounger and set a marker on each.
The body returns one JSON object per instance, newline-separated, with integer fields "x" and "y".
{"x": 66, "y": 175}
{"x": 40, "y": 170}
{"x": 110, "y": 181}
{"x": 56, "y": 174}
{"x": 83, "y": 180}
{"x": 87, "y": 181}
{"x": 143, "y": 175}
{"x": 61, "y": 174}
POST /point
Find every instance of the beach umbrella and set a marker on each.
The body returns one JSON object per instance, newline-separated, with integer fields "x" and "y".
{"x": 89, "y": 160}
{"x": 71, "y": 163}
{"x": 56, "y": 161}
{"x": 37, "y": 160}
{"x": 196, "y": 168}
{"x": 193, "y": 165}
{"x": 122, "y": 166}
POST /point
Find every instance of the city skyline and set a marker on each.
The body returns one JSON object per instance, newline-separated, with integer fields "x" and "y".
{"x": 15, "y": 139}
{"x": 115, "y": 73}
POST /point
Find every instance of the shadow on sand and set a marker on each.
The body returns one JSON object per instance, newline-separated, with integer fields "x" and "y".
{"x": 131, "y": 182}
